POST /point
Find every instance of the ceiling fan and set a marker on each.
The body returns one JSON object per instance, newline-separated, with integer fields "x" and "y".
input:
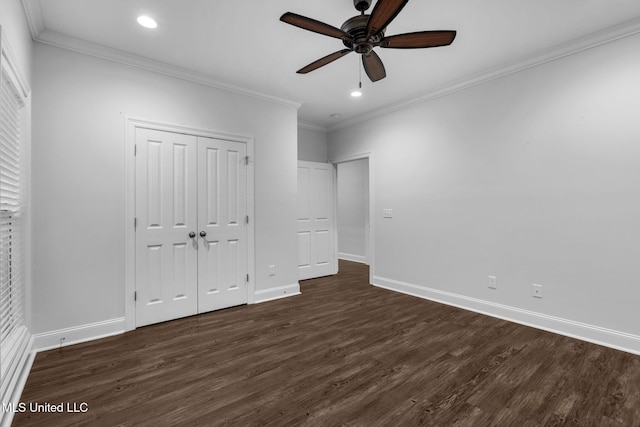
{"x": 362, "y": 33}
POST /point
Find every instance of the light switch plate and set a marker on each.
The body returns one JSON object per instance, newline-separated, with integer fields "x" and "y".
{"x": 387, "y": 213}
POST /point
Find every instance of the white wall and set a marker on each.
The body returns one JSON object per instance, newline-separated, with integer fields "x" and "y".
{"x": 79, "y": 168}
{"x": 532, "y": 178}
{"x": 353, "y": 210}
{"x": 312, "y": 145}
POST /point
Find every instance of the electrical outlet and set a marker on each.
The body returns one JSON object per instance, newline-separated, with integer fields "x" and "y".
{"x": 492, "y": 282}
{"x": 536, "y": 291}
{"x": 272, "y": 270}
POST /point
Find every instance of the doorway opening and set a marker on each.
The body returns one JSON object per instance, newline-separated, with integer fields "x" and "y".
{"x": 354, "y": 207}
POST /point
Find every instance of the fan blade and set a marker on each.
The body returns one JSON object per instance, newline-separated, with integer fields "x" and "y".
{"x": 419, "y": 40}
{"x": 323, "y": 61}
{"x": 315, "y": 26}
{"x": 373, "y": 66}
{"x": 383, "y": 13}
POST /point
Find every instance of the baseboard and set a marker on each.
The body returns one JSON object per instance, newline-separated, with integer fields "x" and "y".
{"x": 278, "y": 292}
{"x": 595, "y": 334}
{"x": 77, "y": 334}
{"x": 351, "y": 257}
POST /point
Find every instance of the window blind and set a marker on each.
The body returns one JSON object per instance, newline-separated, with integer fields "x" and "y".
{"x": 12, "y": 286}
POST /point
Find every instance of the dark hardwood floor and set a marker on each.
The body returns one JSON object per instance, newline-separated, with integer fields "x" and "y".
{"x": 342, "y": 353}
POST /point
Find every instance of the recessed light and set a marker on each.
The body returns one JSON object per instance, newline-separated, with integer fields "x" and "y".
{"x": 147, "y": 21}
{"x": 335, "y": 116}
{"x": 356, "y": 93}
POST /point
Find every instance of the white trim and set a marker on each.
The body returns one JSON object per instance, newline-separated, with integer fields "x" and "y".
{"x": 20, "y": 354}
{"x": 39, "y": 33}
{"x": 22, "y": 374}
{"x": 351, "y": 257}
{"x": 77, "y": 334}
{"x": 278, "y": 292}
{"x": 251, "y": 229}
{"x": 572, "y": 47}
{"x": 64, "y": 41}
{"x": 595, "y": 334}
{"x": 35, "y": 19}
{"x": 131, "y": 123}
{"x": 311, "y": 126}
{"x": 16, "y": 368}
{"x": 129, "y": 228}
{"x": 370, "y": 242}
{"x": 33, "y": 12}
{"x": 334, "y": 182}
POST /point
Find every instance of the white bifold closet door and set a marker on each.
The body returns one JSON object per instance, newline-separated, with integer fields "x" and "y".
{"x": 317, "y": 254}
{"x": 191, "y": 232}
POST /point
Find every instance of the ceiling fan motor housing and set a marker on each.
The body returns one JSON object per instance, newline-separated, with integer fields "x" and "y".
{"x": 356, "y": 27}
{"x": 362, "y": 5}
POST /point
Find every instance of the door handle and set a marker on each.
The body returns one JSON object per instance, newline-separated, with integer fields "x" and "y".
{"x": 203, "y": 233}
{"x": 192, "y": 234}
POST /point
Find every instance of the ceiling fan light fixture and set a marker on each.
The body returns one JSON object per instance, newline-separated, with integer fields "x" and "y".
{"x": 147, "y": 21}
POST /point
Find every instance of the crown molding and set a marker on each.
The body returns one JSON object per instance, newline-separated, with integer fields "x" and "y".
{"x": 33, "y": 12}
{"x": 311, "y": 126}
{"x": 626, "y": 29}
{"x": 63, "y": 41}
{"x": 39, "y": 33}
{"x": 35, "y": 19}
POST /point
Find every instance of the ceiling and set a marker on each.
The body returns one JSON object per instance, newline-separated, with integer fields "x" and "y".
{"x": 242, "y": 44}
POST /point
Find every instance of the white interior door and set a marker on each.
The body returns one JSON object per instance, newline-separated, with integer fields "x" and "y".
{"x": 317, "y": 254}
{"x": 191, "y": 228}
{"x": 166, "y": 257}
{"x": 222, "y": 225}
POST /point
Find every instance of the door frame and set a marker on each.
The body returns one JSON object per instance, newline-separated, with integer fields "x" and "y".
{"x": 133, "y": 123}
{"x": 370, "y": 243}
